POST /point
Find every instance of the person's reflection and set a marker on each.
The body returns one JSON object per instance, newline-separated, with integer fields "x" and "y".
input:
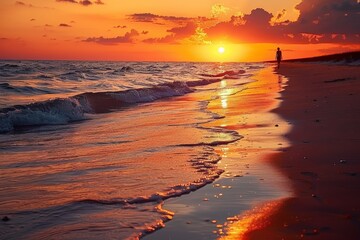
{"x": 280, "y": 82}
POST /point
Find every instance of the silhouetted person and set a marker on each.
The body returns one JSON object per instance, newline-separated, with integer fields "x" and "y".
{"x": 278, "y": 57}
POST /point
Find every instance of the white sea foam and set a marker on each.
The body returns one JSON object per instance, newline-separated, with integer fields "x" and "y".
{"x": 66, "y": 110}
{"x": 52, "y": 112}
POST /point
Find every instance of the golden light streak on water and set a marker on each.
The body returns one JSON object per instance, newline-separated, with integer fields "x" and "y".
{"x": 237, "y": 227}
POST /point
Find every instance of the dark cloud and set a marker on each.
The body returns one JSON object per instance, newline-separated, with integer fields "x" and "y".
{"x": 120, "y": 26}
{"x": 144, "y": 32}
{"x": 253, "y": 27}
{"x": 64, "y": 25}
{"x": 258, "y": 18}
{"x": 328, "y": 17}
{"x": 177, "y": 34}
{"x": 167, "y": 39}
{"x": 185, "y": 31}
{"x": 70, "y": 1}
{"x": 281, "y": 14}
{"x": 129, "y": 37}
{"x": 29, "y": 5}
{"x": 83, "y": 2}
{"x": 33, "y": 19}
{"x": 320, "y": 21}
{"x": 153, "y": 18}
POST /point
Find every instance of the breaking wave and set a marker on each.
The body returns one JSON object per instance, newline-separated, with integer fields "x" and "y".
{"x": 75, "y": 108}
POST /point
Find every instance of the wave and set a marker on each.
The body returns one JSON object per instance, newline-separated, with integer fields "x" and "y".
{"x": 8, "y": 65}
{"x": 205, "y": 163}
{"x": 43, "y": 76}
{"x": 51, "y": 112}
{"x": 230, "y": 73}
{"x": 24, "y": 89}
{"x": 66, "y": 110}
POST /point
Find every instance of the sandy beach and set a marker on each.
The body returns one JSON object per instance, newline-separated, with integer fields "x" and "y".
{"x": 182, "y": 120}
{"x": 322, "y": 164}
{"x": 250, "y": 188}
{"x": 299, "y": 147}
{"x": 265, "y": 154}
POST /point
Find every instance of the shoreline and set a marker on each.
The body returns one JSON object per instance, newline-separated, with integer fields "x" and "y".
{"x": 322, "y": 164}
{"x": 248, "y": 180}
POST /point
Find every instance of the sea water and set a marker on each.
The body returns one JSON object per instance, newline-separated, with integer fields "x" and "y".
{"x": 91, "y": 150}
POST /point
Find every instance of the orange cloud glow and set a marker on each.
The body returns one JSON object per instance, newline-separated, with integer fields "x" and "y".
{"x": 160, "y": 30}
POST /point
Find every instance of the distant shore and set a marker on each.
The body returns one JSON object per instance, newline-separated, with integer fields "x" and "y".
{"x": 340, "y": 58}
{"x": 322, "y": 163}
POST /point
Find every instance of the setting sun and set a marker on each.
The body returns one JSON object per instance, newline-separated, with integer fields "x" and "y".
{"x": 221, "y": 50}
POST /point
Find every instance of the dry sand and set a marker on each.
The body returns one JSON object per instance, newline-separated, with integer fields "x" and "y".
{"x": 323, "y": 162}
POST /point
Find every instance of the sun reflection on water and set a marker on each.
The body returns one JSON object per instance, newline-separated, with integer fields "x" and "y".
{"x": 224, "y": 103}
{"x": 237, "y": 228}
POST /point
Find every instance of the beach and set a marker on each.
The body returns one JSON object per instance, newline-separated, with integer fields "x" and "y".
{"x": 250, "y": 187}
{"x": 314, "y": 151}
{"x": 179, "y": 120}
{"x": 232, "y": 151}
{"x": 101, "y": 147}
{"x": 321, "y": 102}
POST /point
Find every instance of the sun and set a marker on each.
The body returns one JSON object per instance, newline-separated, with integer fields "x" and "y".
{"x": 221, "y": 50}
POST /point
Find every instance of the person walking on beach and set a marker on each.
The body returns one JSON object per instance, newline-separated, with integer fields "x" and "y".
{"x": 278, "y": 57}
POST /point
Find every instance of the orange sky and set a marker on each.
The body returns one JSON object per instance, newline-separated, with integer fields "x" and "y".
{"x": 187, "y": 30}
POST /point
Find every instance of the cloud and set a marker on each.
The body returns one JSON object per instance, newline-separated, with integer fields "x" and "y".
{"x": 279, "y": 17}
{"x": 218, "y": 9}
{"x": 83, "y": 2}
{"x": 176, "y": 34}
{"x": 64, "y": 25}
{"x": 199, "y": 37}
{"x": 281, "y": 14}
{"x": 252, "y": 27}
{"x": 184, "y": 31}
{"x": 70, "y": 1}
{"x": 19, "y": 3}
{"x": 328, "y": 16}
{"x": 29, "y": 5}
{"x": 129, "y": 37}
{"x": 144, "y": 32}
{"x": 320, "y": 21}
{"x": 153, "y": 18}
{"x": 120, "y": 26}
{"x": 258, "y": 18}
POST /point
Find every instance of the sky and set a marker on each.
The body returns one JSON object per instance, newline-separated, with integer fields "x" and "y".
{"x": 186, "y": 30}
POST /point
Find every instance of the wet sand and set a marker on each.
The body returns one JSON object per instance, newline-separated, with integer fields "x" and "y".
{"x": 297, "y": 165}
{"x": 248, "y": 180}
{"x": 322, "y": 163}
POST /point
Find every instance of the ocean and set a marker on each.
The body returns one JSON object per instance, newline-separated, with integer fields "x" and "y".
{"x": 91, "y": 150}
